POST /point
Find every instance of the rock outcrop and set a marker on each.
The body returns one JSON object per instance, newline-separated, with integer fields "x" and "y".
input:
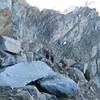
{"x": 22, "y": 73}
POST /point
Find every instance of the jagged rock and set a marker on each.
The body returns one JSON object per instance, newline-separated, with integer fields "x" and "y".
{"x": 9, "y": 51}
{"x": 24, "y": 93}
{"x": 7, "y": 93}
{"x": 6, "y": 59}
{"x": 36, "y": 94}
{"x": 10, "y": 45}
{"x": 24, "y": 18}
{"x": 33, "y": 91}
{"x": 59, "y": 86}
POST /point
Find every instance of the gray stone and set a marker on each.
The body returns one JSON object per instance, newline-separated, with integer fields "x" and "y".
{"x": 22, "y": 73}
{"x": 23, "y": 93}
{"x": 8, "y": 59}
{"x": 34, "y": 92}
{"x": 60, "y": 86}
{"x": 11, "y": 45}
{"x": 7, "y": 93}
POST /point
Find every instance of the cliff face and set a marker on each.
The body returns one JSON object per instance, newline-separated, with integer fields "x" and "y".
{"x": 75, "y": 35}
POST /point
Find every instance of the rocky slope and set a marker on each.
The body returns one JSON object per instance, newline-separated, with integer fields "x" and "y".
{"x": 73, "y": 38}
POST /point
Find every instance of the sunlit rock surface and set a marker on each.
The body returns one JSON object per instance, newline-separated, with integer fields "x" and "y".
{"x": 22, "y": 73}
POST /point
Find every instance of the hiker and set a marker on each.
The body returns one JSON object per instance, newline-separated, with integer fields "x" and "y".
{"x": 46, "y": 53}
{"x": 51, "y": 56}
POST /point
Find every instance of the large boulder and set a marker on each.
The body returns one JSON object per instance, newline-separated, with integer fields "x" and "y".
{"x": 58, "y": 85}
{"x": 23, "y": 73}
{"x": 8, "y": 59}
{"x": 10, "y": 45}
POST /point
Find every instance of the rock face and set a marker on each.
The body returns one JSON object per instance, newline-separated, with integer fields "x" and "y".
{"x": 23, "y": 93}
{"x": 6, "y": 25}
